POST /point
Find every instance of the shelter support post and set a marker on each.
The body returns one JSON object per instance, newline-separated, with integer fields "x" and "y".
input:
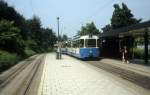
{"x": 146, "y": 45}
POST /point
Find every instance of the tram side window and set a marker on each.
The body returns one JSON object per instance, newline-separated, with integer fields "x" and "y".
{"x": 90, "y": 42}
{"x": 81, "y": 43}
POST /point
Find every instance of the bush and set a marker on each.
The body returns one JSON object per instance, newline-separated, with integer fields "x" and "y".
{"x": 50, "y": 49}
{"x": 7, "y": 60}
{"x": 29, "y": 52}
{"x": 139, "y": 53}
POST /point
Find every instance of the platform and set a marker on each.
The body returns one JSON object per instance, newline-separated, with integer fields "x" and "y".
{"x": 137, "y": 68}
{"x": 70, "y": 76}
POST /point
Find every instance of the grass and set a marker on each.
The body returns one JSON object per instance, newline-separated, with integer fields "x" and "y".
{"x": 7, "y": 60}
{"x": 29, "y": 52}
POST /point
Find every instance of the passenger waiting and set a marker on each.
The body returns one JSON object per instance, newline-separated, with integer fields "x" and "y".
{"x": 125, "y": 55}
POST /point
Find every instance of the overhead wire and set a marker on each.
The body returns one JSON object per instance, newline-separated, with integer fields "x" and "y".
{"x": 32, "y": 9}
{"x": 101, "y": 8}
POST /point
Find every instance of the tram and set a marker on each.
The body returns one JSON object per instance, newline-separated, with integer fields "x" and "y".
{"x": 82, "y": 47}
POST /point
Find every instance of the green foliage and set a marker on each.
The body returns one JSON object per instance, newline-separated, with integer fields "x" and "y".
{"x": 7, "y": 60}
{"x": 64, "y": 37}
{"x": 29, "y": 52}
{"x": 9, "y": 13}
{"x": 21, "y": 37}
{"x": 16, "y": 32}
{"x": 51, "y": 49}
{"x": 90, "y": 28}
{"x": 121, "y": 17}
{"x": 34, "y": 26}
{"x": 40, "y": 39}
{"x": 48, "y": 39}
{"x": 139, "y": 53}
{"x": 107, "y": 28}
{"x": 10, "y": 39}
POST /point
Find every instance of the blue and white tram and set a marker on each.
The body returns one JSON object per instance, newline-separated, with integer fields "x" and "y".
{"x": 84, "y": 47}
{"x": 64, "y": 47}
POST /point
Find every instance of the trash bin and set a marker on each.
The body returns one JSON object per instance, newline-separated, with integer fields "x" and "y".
{"x": 57, "y": 55}
{"x": 60, "y": 53}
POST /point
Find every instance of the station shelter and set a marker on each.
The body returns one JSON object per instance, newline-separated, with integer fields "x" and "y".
{"x": 135, "y": 37}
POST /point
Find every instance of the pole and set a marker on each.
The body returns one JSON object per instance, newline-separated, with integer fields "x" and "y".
{"x": 59, "y": 48}
{"x": 58, "y": 27}
{"x": 146, "y": 45}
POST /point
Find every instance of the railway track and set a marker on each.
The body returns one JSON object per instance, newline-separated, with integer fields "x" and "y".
{"x": 26, "y": 85}
{"x": 9, "y": 75}
{"x": 21, "y": 77}
{"x": 136, "y": 78}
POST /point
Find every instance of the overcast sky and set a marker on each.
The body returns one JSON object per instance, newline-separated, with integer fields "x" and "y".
{"x": 75, "y": 13}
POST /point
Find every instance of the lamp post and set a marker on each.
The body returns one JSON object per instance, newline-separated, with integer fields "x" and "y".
{"x": 58, "y": 27}
{"x": 59, "y": 48}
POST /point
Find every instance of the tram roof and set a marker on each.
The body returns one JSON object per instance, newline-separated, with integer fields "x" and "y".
{"x": 133, "y": 29}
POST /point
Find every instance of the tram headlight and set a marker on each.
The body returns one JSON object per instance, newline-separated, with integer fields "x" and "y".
{"x": 91, "y": 51}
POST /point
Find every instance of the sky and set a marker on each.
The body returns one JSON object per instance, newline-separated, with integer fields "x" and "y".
{"x": 76, "y": 13}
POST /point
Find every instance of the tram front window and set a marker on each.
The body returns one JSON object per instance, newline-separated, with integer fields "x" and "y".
{"x": 81, "y": 43}
{"x": 90, "y": 42}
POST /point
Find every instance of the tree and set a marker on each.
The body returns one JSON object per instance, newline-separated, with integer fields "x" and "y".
{"x": 64, "y": 37}
{"x": 48, "y": 39}
{"x": 107, "y": 28}
{"x": 29, "y": 32}
{"x": 121, "y": 17}
{"x": 10, "y": 39}
{"x": 40, "y": 39}
{"x": 10, "y": 14}
{"x": 35, "y": 33}
{"x": 34, "y": 27}
{"x": 20, "y": 38}
{"x": 90, "y": 28}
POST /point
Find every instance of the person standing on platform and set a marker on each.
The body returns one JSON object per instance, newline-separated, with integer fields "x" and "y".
{"x": 122, "y": 54}
{"x": 126, "y": 55}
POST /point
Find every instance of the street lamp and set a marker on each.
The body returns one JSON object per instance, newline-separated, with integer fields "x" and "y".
{"x": 59, "y": 47}
{"x": 58, "y": 27}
